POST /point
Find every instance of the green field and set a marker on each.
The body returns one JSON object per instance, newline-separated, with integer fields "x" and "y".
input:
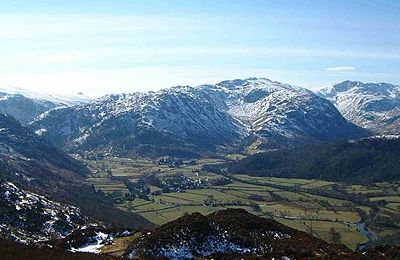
{"x": 312, "y": 206}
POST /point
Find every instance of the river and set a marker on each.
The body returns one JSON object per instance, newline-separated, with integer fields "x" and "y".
{"x": 362, "y": 227}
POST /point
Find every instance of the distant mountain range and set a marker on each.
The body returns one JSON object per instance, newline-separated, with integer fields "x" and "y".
{"x": 227, "y": 116}
{"x": 26, "y": 105}
{"x": 230, "y": 116}
{"x": 375, "y": 106}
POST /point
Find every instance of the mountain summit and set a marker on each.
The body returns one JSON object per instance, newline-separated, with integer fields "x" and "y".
{"x": 229, "y": 234}
{"x": 180, "y": 120}
{"x": 279, "y": 114}
{"x": 375, "y": 106}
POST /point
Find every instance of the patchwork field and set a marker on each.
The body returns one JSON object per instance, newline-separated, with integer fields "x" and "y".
{"x": 317, "y": 207}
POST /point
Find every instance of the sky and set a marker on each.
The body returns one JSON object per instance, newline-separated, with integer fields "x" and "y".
{"x": 99, "y": 47}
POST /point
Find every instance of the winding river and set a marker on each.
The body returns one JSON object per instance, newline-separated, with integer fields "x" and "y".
{"x": 363, "y": 228}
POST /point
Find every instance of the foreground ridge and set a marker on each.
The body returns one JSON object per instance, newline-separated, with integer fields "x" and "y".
{"x": 231, "y": 232}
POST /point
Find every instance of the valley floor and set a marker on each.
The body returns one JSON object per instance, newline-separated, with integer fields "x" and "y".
{"x": 335, "y": 212}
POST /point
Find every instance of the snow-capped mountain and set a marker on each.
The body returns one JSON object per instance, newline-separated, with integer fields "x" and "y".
{"x": 207, "y": 117}
{"x": 171, "y": 121}
{"x": 25, "y": 105}
{"x": 60, "y": 100}
{"x": 278, "y": 113}
{"x": 375, "y": 106}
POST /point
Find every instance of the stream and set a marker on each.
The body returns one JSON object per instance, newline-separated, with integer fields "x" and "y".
{"x": 362, "y": 227}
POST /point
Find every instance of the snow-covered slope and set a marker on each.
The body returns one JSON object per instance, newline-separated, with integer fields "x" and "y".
{"x": 175, "y": 120}
{"x": 211, "y": 117}
{"x": 28, "y": 217}
{"x": 61, "y": 100}
{"x": 279, "y": 113}
{"x": 25, "y": 105}
{"x": 375, "y": 106}
{"x": 33, "y": 164}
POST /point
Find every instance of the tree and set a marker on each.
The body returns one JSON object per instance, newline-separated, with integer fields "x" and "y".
{"x": 210, "y": 201}
{"x": 335, "y": 236}
{"x": 255, "y": 207}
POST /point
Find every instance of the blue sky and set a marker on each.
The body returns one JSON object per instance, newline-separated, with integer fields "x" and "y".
{"x": 98, "y": 47}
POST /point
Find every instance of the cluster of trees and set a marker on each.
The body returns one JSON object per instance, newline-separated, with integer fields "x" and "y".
{"x": 363, "y": 161}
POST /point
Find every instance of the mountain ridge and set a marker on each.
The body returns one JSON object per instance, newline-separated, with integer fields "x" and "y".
{"x": 26, "y": 105}
{"x": 375, "y": 106}
{"x": 224, "y": 233}
{"x": 184, "y": 119}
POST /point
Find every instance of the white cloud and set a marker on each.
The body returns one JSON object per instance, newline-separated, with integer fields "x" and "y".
{"x": 61, "y": 58}
{"x": 340, "y": 69}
